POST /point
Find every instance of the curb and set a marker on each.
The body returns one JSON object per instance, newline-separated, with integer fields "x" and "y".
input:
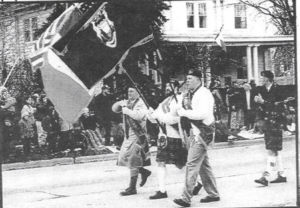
{"x": 114, "y": 156}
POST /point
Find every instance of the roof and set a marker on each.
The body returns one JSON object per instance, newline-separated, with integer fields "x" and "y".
{"x": 273, "y": 40}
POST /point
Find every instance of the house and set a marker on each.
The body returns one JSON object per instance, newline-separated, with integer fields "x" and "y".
{"x": 250, "y": 38}
{"x": 18, "y": 26}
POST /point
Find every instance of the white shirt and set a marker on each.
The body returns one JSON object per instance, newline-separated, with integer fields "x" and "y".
{"x": 268, "y": 88}
{"x": 166, "y": 113}
{"x": 202, "y": 108}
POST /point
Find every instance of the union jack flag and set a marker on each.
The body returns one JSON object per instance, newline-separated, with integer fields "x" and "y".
{"x": 78, "y": 15}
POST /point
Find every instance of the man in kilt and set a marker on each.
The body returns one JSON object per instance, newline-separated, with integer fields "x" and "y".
{"x": 197, "y": 122}
{"x": 134, "y": 152}
{"x": 272, "y": 116}
{"x": 170, "y": 148}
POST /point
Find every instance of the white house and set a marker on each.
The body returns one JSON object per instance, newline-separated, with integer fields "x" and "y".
{"x": 245, "y": 32}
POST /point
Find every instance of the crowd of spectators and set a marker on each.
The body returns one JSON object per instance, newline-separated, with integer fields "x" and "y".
{"x": 38, "y": 126}
{"x": 235, "y": 108}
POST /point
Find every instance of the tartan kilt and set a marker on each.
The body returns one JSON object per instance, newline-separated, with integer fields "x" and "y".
{"x": 273, "y": 137}
{"x": 169, "y": 151}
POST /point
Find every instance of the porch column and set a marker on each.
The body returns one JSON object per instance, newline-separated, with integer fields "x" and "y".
{"x": 249, "y": 63}
{"x": 255, "y": 64}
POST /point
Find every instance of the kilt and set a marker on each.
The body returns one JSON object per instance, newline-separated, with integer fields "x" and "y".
{"x": 134, "y": 154}
{"x": 169, "y": 151}
{"x": 273, "y": 137}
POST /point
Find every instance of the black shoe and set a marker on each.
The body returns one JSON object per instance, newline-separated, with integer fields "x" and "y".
{"x": 262, "y": 181}
{"x": 279, "y": 179}
{"x": 197, "y": 188}
{"x": 182, "y": 203}
{"x": 159, "y": 195}
{"x": 145, "y": 174}
{"x": 128, "y": 192}
{"x": 209, "y": 199}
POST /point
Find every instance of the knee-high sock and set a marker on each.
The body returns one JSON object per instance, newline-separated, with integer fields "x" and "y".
{"x": 271, "y": 161}
{"x": 161, "y": 174}
{"x": 280, "y": 168}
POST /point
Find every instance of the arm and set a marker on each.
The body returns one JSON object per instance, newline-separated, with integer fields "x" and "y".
{"x": 117, "y": 107}
{"x": 139, "y": 111}
{"x": 202, "y": 107}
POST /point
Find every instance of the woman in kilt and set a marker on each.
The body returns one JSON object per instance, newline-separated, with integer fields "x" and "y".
{"x": 273, "y": 118}
{"x": 170, "y": 148}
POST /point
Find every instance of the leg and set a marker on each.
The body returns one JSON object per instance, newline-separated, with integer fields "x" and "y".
{"x": 145, "y": 174}
{"x": 196, "y": 155}
{"x": 26, "y": 146}
{"x": 131, "y": 190}
{"x": 208, "y": 179}
{"x": 271, "y": 159}
{"x": 107, "y": 127}
{"x": 161, "y": 175}
{"x": 280, "y": 170}
{"x": 197, "y": 188}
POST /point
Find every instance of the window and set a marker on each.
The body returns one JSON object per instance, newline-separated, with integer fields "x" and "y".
{"x": 240, "y": 16}
{"x": 190, "y": 14}
{"x": 202, "y": 15}
{"x": 30, "y": 29}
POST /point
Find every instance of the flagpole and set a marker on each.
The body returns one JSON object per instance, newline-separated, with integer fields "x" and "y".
{"x": 6, "y": 79}
{"x": 142, "y": 96}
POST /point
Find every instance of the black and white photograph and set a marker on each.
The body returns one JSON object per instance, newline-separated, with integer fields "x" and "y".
{"x": 149, "y": 103}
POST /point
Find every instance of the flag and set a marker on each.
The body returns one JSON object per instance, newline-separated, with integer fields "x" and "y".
{"x": 65, "y": 90}
{"x": 62, "y": 26}
{"x": 220, "y": 40}
{"x": 80, "y": 49}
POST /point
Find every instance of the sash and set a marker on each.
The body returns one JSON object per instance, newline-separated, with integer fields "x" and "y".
{"x": 206, "y": 131}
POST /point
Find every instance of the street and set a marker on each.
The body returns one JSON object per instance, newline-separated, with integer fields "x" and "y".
{"x": 98, "y": 184}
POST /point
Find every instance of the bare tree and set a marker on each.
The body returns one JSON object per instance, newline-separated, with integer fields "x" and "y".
{"x": 281, "y": 12}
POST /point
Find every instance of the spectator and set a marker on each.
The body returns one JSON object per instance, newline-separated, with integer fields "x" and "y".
{"x": 214, "y": 88}
{"x": 8, "y": 107}
{"x": 88, "y": 120}
{"x": 26, "y": 132}
{"x": 50, "y": 124}
{"x": 30, "y": 111}
{"x": 249, "y": 107}
{"x": 64, "y": 141}
{"x": 235, "y": 104}
{"x": 90, "y": 132}
{"x": 102, "y": 108}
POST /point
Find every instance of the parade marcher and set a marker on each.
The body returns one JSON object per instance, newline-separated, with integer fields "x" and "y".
{"x": 197, "y": 111}
{"x": 170, "y": 148}
{"x": 267, "y": 97}
{"x": 102, "y": 108}
{"x": 134, "y": 152}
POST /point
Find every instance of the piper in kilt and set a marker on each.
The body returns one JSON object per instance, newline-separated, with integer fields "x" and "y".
{"x": 134, "y": 152}
{"x": 197, "y": 122}
{"x": 170, "y": 148}
{"x": 272, "y": 117}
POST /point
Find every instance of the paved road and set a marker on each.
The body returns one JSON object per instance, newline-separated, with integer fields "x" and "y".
{"x": 98, "y": 184}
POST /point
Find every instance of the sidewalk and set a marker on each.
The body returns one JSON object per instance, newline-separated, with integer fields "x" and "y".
{"x": 113, "y": 156}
